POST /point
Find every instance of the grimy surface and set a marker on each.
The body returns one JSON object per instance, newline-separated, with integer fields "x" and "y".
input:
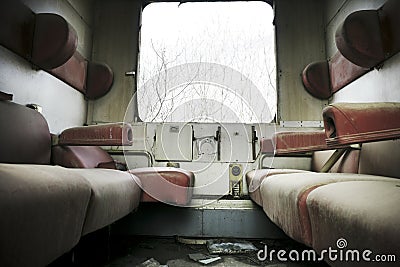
{"x": 155, "y": 252}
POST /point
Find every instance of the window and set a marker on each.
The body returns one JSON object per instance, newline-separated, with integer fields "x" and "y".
{"x": 207, "y": 62}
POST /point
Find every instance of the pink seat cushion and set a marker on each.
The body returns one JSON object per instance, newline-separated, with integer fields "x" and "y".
{"x": 359, "y": 38}
{"x": 99, "y": 80}
{"x": 165, "y": 184}
{"x": 323, "y": 78}
{"x": 73, "y": 72}
{"x": 316, "y": 79}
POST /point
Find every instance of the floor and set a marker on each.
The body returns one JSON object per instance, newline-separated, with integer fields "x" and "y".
{"x": 103, "y": 249}
{"x": 171, "y": 252}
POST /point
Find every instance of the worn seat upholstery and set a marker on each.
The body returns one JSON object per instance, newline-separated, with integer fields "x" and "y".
{"x": 255, "y": 178}
{"x": 298, "y": 142}
{"x": 25, "y": 136}
{"x": 287, "y": 143}
{"x": 165, "y": 184}
{"x": 282, "y": 143}
{"x": 81, "y": 157}
{"x": 114, "y": 194}
{"x": 284, "y": 198}
{"x": 45, "y": 209}
{"x": 321, "y": 209}
{"x": 364, "y": 213}
{"x": 353, "y": 123}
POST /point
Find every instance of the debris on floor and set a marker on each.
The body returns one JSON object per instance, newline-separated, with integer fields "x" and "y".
{"x": 151, "y": 263}
{"x": 204, "y": 259}
{"x": 221, "y": 246}
{"x": 191, "y": 241}
{"x": 143, "y": 251}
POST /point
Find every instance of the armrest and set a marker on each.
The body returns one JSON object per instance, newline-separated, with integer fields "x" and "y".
{"x": 354, "y": 123}
{"x": 299, "y": 142}
{"x": 114, "y": 134}
{"x": 165, "y": 184}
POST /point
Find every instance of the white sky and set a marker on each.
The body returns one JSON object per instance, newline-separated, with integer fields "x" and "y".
{"x": 238, "y": 35}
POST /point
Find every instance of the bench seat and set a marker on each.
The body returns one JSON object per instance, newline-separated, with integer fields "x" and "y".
{"x": 43, "y": 210}
{"x": 46, "y": 209}
{"x": 365, "y": 213}
{"x": 165, "y": 184}
{"x": 284, "y": 198}
{"x": 114, "y": 194}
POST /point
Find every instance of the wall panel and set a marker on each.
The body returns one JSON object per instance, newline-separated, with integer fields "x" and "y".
{"x": 300, "y": 41}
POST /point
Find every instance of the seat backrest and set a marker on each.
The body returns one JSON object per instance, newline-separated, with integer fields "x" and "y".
{"x": 24, "y": 135}
{"x": 348, "y": 163}
{"x": 381, "y": 158}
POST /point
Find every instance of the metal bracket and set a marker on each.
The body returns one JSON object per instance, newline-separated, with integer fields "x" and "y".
{"x": 337, "y": 155}
{"x": 305, "y": 124}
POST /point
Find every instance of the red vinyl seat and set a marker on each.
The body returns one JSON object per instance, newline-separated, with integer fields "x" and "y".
{"x": 165, "y": 184}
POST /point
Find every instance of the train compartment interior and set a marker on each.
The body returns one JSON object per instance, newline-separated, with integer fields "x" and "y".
{"x": 220, "y": 133}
